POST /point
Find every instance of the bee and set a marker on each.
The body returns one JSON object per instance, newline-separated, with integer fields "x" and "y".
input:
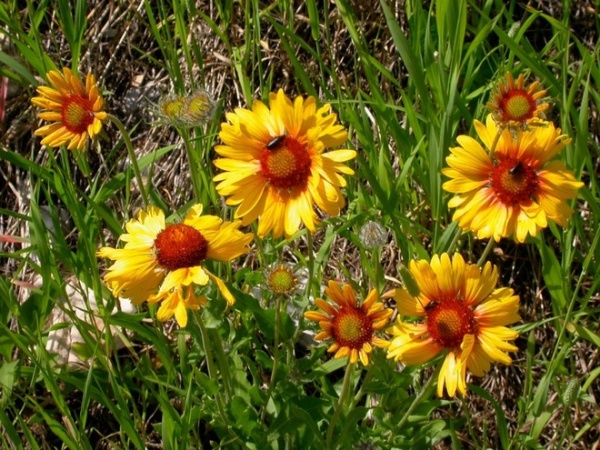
{"x": 432, "y": 304}
{"x": 276, "y": 142}
{"x": 517, "y": 169}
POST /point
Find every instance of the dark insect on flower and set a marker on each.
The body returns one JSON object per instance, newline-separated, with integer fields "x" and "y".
{"x": 517, "y": 169}
{"x": 276, "y": 142}
{"x": 432, "y": 304}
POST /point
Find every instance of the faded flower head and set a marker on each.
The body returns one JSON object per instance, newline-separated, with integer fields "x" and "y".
{"x": 187, "y": 111}
{"x": 373, "y": 235}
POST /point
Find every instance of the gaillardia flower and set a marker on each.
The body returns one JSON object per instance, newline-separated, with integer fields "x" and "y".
{"x": 164, "y": 262}
{"x": 274, "y": 165}
{"x": 349, "y": 325}
{"x": 461, "y": 314}
{"x": 515, "y": 190}
{"x": 514, "y": 104}
{"x": 76, "y": 110}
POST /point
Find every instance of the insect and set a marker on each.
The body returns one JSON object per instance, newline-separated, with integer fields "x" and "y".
{"x": 432, "y": 304}
{"x": 517, "y": 169}
{"x": 276, "y": 142}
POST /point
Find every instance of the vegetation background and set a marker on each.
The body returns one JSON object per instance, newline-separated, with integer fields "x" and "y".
{"x": 405, "y": 77}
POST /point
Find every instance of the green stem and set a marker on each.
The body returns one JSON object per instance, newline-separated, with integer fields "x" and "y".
{"x": 363, "y": 383}
{"x": 275, "y": 351}
{"x": 496, "y": 139}
{"x": 194, "y": 165}
{"x": 379, "y": 282}
{"x": 311, "y": 267}
{"x": 340, "y": 404}
{"x": 574, "y": 296}
{"x": 132, "y": 157}
{"x": 454, "y": 242}
{"x": 197, "y": 325}
{"x": 276, "y": 340}
{"x": 223, "y": 366}
{"x": 486, "y": 252}
{"x": 414, "y": 404}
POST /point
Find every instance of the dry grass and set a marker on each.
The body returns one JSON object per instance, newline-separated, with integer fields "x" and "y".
{"x": 121, "y": 50}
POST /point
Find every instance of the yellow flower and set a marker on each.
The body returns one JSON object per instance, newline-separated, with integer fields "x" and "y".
{"x": 515, "y": 191}
{"x": 275, "y": 168}
{"x": 164, "y": 262}
{"x": 75, "y": 109}
{"x": 513, "y": 104}
{"x": 462, "y": 314}
{"x": 351, "y": 326}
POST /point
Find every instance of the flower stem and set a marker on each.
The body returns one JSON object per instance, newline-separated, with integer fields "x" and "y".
{"x": 276, "y": 340}
{"x": 194, "y": 166}
{"x": 132, "y": 157}
{"x": 486, "y": 252}
{"x": 275, "y": 351}
{"x": 361, "y": 392}
{"x": 311, "y": 266}
{"x": 496, "y": 139}
{"x": 454, "y": 242}
{"x": 414, "y": 404}
{"x": 379, "y": 281}
{"x": 197, "y": 325}
{"x": 222, "y": 363}
{"x": 340, "y": 404}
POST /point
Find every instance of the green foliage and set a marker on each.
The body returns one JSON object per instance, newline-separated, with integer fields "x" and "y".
{"x": 405, "y": 81}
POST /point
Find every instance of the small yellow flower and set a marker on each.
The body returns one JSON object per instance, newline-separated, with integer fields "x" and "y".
{"x": 461, "y": 314}
{"x": 515, "y": 191}
{"x": 349, "y": 325}
{"x": 274, "y": 165}
{"x": 76, "y": 110}
{"x": 164, "y": 262}
{"x": 513, "y": 104}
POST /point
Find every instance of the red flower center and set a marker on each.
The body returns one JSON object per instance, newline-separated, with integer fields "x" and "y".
{"x": 77, "y": 114}
{"x": 517, "y": 105}
{"x": 352, "y": 328}
{"x": 448, "y": 321}
{"x": 514, "y": 182}
{"x": 179, "y": 246}
{"x": 286, "y": 163}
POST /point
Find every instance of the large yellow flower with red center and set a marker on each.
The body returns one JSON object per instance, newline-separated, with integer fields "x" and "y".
{"x": 349, "y": 325}
{"x": 515, "y": 104}
{"x": 164, "y": 262}
{"x": 274, "y": 165}
{"x": 76, "y": 110}
{"x": 461, "y": 314}
{"x": 517, "y": 189}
